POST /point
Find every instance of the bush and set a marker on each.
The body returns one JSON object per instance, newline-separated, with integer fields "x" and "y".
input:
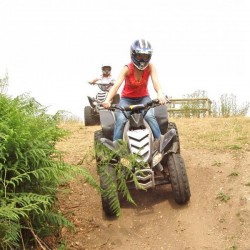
{"x": 228, "y": 106}
{"x": 30, "y": 171}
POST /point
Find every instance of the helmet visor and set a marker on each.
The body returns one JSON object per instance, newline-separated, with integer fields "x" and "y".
{"x": 106, "y": 70}
{"x": 142, "y": 57}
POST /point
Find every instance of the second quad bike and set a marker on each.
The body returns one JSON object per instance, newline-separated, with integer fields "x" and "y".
{"x": 91, "y": 112}
{"x": 159, "y": 161}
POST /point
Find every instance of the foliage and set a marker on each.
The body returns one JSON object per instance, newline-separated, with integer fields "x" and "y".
{"x": 31, "y": 169}
{"x": 223, "y": 197}
{"x": 234, "y": 173}
{"x": 125, "y": 166}
{"x": 228, "y": 106}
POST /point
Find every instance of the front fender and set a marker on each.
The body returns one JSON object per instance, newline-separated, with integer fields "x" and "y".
{"x": 112, "y": 145}
{"x": 167, "y": 139}
{"x": 91, "y": 100}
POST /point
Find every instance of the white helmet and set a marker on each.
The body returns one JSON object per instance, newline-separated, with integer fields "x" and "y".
{"x": 106, "y": 69}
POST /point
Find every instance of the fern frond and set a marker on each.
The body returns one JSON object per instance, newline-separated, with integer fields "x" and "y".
{"x": 123, "y": 172}
{"x": 31, "y": 169}
{"x": 10, "y": 232}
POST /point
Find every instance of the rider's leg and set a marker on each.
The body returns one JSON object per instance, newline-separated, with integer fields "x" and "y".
{"x": 120, "y": 120}
{"x": 151, "y": 120}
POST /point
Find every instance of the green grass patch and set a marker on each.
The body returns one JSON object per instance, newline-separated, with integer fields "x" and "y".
{"x": 223, "y": 197}
{"x": 235, "y": 173}
{"x": 217, "y": 163}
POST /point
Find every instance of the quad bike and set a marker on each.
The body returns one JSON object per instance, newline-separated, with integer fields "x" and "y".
{"x": 91, "y": 113}
{"x": 160, "y": 159}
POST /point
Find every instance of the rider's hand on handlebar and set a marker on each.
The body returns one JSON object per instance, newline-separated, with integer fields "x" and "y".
{"x": 106, "y": 104}
{"x": 162, "y": 98}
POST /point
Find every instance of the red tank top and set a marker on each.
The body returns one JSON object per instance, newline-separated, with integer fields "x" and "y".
{"x": 135, "y": 88}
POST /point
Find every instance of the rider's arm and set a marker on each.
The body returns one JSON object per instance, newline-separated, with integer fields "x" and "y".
{"x": 93, "y": 81}
{"x": 115, "y": 87}
{"x": 156, "y": 84}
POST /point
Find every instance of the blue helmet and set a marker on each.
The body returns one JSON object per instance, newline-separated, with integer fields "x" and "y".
{"x": 141, "y": 52}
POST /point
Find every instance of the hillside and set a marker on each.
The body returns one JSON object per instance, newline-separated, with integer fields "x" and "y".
{"x": 217, "y": 157}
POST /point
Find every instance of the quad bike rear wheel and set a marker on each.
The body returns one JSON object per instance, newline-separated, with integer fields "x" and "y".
{"x": 107, "y": 177}
{"x": 178, "y": 178}
{"x": 90, "y": 117}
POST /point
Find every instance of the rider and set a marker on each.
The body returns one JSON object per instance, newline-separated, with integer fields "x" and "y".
{"x": 105, "y": 77}
{"x": 135, "y": 91}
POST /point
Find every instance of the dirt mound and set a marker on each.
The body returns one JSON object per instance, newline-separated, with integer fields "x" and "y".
{"x": 217, "y": 216}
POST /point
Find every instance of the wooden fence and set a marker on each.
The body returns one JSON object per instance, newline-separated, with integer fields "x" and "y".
{"x": 189, "y": 107}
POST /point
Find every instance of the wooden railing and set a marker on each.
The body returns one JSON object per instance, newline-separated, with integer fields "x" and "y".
{"x": 189, "y": 107}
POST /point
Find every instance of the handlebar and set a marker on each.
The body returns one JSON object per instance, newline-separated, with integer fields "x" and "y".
{"x": 101, "y": 83}
{"x": 136, "y": 107}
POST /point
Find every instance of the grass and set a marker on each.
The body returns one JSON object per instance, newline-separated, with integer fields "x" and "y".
{"x": 234, "y": 247}
{"x": 234, "y": 173}
{"x": 223, "y": 197}
{"x": 223, "y": 134}
{"x": 217, "y": 163}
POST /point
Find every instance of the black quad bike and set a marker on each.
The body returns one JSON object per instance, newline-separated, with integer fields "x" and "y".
{"x": 160, "y": 159}
{"x": 91, "y": 112}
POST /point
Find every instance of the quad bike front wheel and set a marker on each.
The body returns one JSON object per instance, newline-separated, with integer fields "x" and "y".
{"x": 90, "y": 117}
{"x": 109, "y": 195}
{"x": 107, "y": 177}
{"x": 178, "y": 178}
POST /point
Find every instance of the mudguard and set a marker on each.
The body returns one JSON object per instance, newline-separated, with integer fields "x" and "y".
{"x": 161, "y": 116}
{"x": 166, "y": 139}
{"x": 107, "y": 119}
{"x": 91, "y": 102}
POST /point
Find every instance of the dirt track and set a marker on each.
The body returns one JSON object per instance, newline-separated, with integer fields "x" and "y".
{"x": 157, "y": 222}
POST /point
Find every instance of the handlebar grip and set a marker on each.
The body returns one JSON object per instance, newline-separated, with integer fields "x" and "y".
{"x": 156, "y": 101}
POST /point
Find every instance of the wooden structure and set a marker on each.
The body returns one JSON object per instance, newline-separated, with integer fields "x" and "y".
{"x": 189, "y": 107}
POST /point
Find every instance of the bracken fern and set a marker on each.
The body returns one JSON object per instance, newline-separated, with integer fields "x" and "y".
{"x": 124, "y": 164}
{"x": 31, "y": 169}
